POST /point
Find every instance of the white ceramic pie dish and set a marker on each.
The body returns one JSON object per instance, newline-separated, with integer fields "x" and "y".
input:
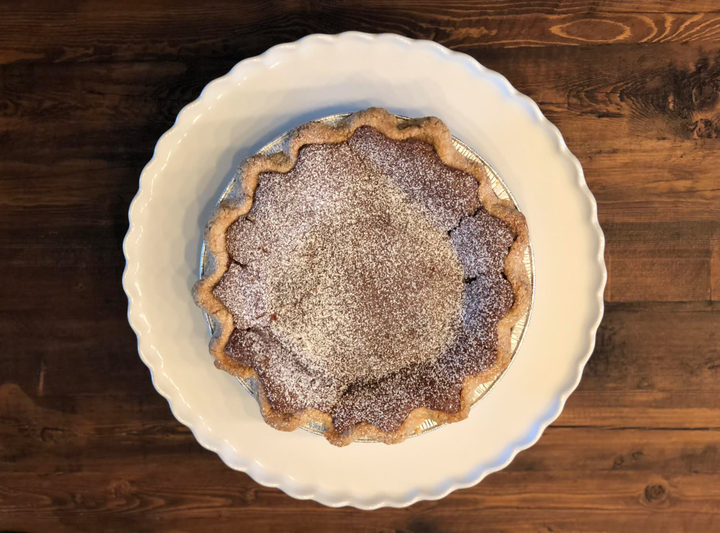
{"x": 318, "y": 76}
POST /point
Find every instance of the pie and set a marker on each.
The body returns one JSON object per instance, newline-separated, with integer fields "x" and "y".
{"x": 368, "y": 277}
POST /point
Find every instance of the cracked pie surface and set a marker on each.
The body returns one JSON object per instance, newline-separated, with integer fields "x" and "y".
{"x": 368, "y": 278}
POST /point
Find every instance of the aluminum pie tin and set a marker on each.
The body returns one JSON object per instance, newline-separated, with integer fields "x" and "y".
{"x": 281, "y": 143}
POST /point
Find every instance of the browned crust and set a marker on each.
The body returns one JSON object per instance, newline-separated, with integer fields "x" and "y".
{"x": 431, "y": 130}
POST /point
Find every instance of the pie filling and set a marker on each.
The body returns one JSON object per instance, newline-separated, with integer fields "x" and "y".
{"x": 366, "y": 282}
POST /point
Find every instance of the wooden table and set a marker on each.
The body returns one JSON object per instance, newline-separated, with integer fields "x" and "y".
{"x": 86, "y": 88}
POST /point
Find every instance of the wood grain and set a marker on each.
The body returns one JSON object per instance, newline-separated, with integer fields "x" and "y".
{"x": 97, "y": 30}
{"x": 87, "y": 87}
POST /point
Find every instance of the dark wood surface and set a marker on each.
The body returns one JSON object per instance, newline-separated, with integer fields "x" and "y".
{"x": 86, "y": 88}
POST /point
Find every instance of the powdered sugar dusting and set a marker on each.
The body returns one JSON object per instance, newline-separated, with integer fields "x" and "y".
{"x": 241, "y": 290}
{"x": 348, "y": 294}
{"x": 477, "y": 240}
{"x": 442, "y": 193}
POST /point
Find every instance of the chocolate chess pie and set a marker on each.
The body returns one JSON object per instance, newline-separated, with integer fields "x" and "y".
{"x": 368, "y": 277}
